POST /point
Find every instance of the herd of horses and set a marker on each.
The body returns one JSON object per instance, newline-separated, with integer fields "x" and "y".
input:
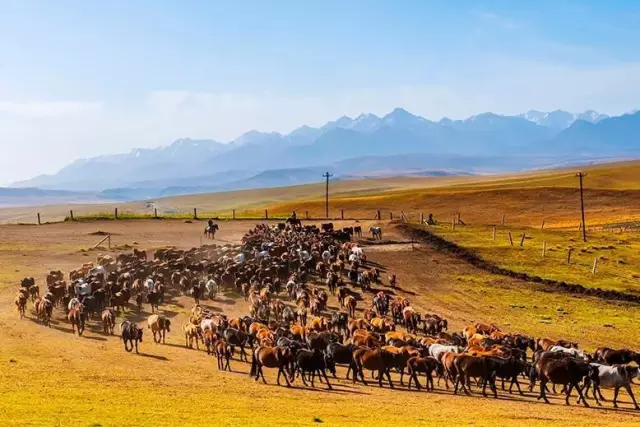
{"x": 287, "y": 274}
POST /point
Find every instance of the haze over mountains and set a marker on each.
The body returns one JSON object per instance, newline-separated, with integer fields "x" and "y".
{"x": 399, "y": 143}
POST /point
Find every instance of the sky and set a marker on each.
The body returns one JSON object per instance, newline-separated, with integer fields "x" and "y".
{"x": 84, "y": 78}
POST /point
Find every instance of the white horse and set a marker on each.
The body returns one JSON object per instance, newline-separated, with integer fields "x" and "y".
{"x": 437, "y": 350}
{"x": 613, "y": 377}
{"x": 573, "y": 352}
{"x": 376, "y": 232}
{"x": 212, "y": 288}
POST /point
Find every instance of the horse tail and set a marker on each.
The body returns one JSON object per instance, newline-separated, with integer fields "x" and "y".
{"x": 254, "y": 364}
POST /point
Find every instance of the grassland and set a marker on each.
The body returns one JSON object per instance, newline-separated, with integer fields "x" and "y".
{"x": 51, "y": 377}
{"x": 617, "y": 253}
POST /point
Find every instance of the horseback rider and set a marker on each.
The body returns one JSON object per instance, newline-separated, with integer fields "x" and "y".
{"x": 293, "y": 215}
{"x": 210, "y": 222}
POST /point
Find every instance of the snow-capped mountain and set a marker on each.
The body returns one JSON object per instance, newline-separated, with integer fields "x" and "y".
{"x": 515, "y": 140}
{"x": 559, "y": 119}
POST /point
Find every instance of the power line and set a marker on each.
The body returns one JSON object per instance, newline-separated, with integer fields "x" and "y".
{"x": 327, "y": 175}
{"x": 584, "y": 224}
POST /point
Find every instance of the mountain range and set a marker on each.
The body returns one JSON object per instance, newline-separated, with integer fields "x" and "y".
{"x": 398, "y": 143}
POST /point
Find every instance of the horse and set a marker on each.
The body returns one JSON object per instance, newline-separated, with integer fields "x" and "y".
{"x": 108, "y": 320}
{"x": 210, "y": 230}
{"x": 130, "y": 333}
{"x": 271, "y": 357}
{"x": 77, "y": 317}
{"x": 376, "y": 233}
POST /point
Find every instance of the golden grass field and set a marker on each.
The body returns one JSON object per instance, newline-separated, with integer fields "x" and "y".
{"x": 51, "y": 377}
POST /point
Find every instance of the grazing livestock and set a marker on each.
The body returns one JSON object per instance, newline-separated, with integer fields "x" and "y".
{"x": 130, "y": 334}
{"x": 424, "y": 365}
{"x": 159, "y": 326}
{"x": 108, "y": 320}
{"x": 615, "y": 377}
{"x": 373, "y": 360}
{"x": 192, "y": 333}
{"x": 565, "y": 371}
{"x": 21, "y": 304}
{"x": 350, "y": 304}
{"x": 311, "y": 362}
{"x": 617, "y": 357}
{"x": 77, "y": 318}
{"x": 271, "y": 357}
{"x": 483, "y": 368}
{"x": 223, "y": 353}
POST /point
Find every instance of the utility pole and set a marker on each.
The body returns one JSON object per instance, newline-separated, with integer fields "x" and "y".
{"x": 581, "y": 175}
{"x": 327, "y": 175}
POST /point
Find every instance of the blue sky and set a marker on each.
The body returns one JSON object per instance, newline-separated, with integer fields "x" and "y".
{"x": 81, "y": 78}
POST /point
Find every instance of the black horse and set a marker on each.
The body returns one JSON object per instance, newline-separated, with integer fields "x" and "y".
{"x": 211, "y": 229}
{"x": 130, "y": 334}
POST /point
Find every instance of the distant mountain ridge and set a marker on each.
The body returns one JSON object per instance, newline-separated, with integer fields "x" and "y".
{"x": 485, "y": 142}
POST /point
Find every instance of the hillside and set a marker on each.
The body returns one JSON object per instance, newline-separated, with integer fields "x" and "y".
{"x": 482, "y": 143}
{"x": 612, "y": 193}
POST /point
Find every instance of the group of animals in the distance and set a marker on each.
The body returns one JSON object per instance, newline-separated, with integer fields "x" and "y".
{"x": 292, "y": 329}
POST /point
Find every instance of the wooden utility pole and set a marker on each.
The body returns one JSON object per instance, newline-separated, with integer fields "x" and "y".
{"x": 581, "y": 175}
{"x": 326, "y": 175}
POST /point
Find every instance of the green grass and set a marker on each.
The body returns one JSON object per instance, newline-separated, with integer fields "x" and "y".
{"x": 618, "y": 254}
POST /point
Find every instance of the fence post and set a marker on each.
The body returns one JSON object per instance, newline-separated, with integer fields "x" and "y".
{"x": 307, "y": 214}
{"x": 522, "y": 240}
{"x": 421, "y": 218}
{"x": 195, "y": 213}
{"x": 510, "y": 239}
{"x": 494, "y": 234}
{"x": 595, "y": 265}
{"x": 390, "y": 215}
{"x": 341, "y": 213}
{"x": 71, "y": 214}
{"x": 503, "y": 215}
{"x": 569, "y": 256}
{"x": 233, "y": 214}
{"x": 39, "y": 218}
{"x": 266, "y": 214}
{"x": 109, "y": 239}
{"x": 115, "y": 213}
{"x": 155, "y": 212}
{"x": 544, "y": 248}
{"x": 453, "y": 223}
{"x": 378, "y": 214}
{"x": 542, "y": 225}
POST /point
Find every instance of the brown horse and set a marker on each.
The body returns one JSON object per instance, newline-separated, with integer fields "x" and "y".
{"x": 223, "y": 353}
{"x": 424, "y": 365}
{"x": 21, "y": 304}
{"x": 373, "y": 360}
{"x": 271, "y": 357}
{"x": 475, "y": 367}
{"x": 566, "y": 371}
{"x": 77, "y": 318}
{"x": 350, "y": 303}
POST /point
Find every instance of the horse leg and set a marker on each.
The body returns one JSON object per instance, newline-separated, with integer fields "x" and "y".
{"x": 136, "y": 342}
{"x": 627, "y": 387}
{"x": 615, "y": 397}
{"x": 569, "y": 394}
{"x": 326, "y": 380}
{"x": 543, "y": 388}
{"x": 582, "y": 396}
{"x": 262, "y": 373}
